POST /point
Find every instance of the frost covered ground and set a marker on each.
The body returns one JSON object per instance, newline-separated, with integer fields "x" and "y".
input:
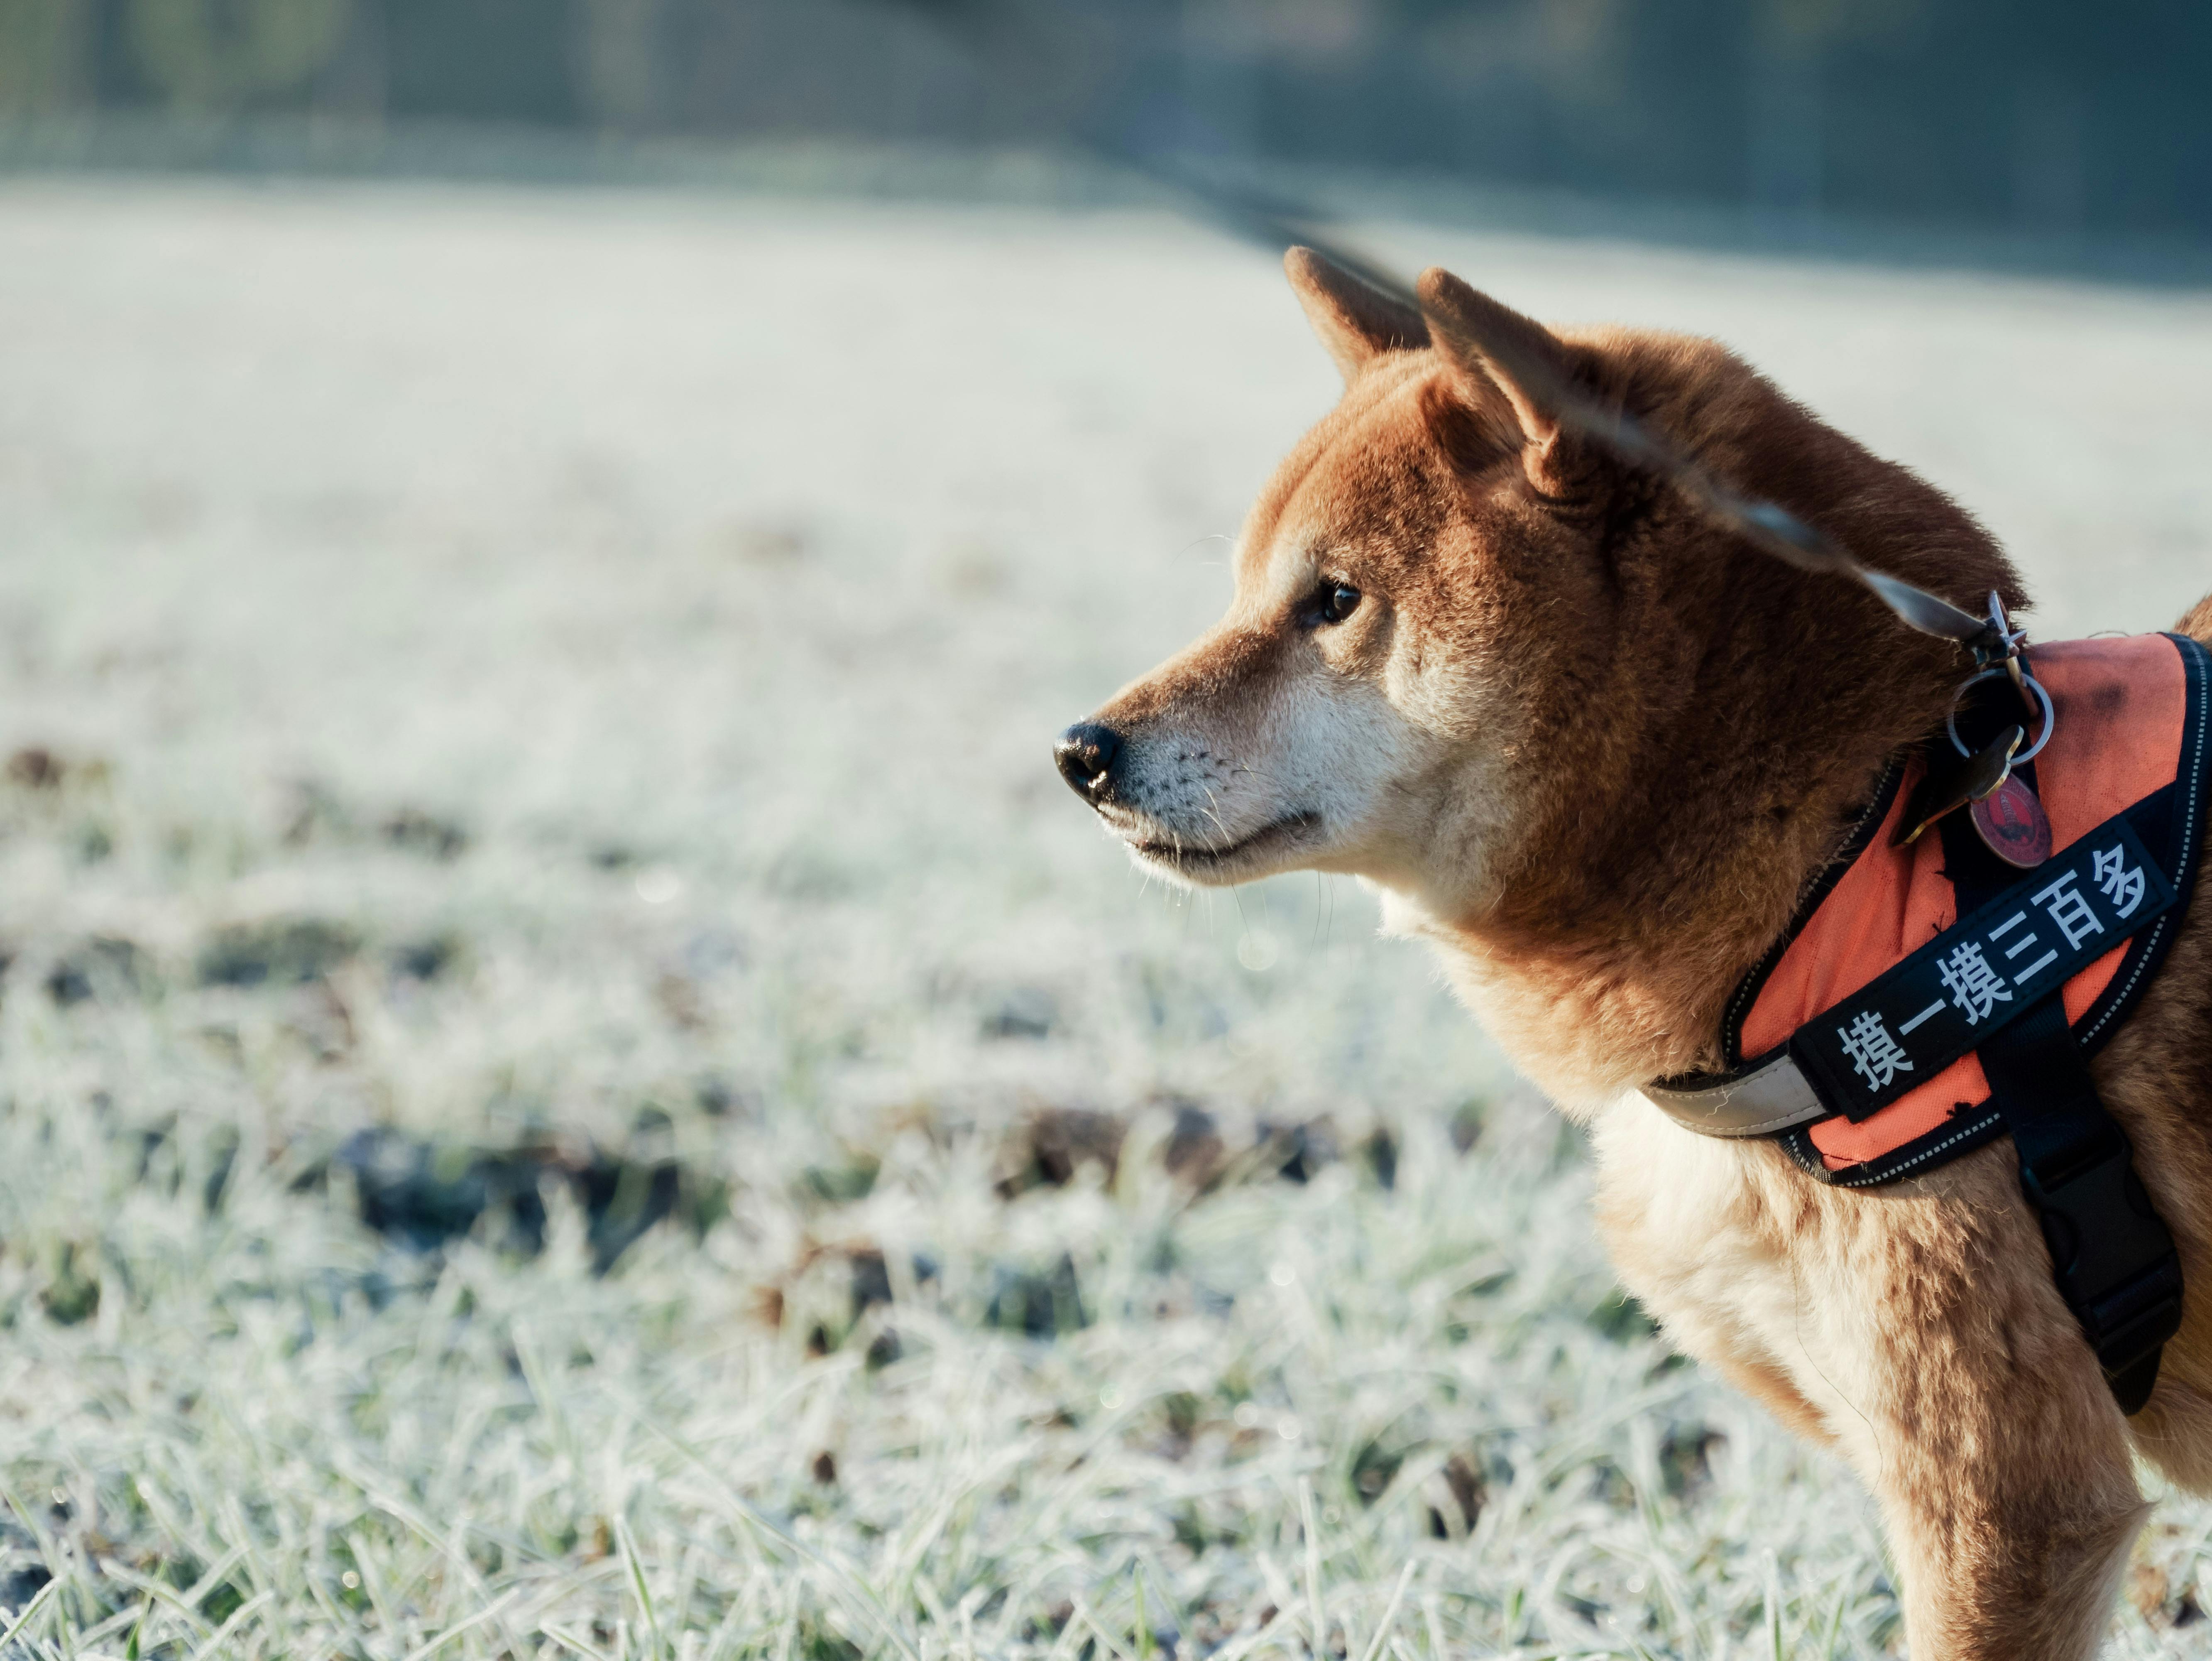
{"x": 575, "y": 1085}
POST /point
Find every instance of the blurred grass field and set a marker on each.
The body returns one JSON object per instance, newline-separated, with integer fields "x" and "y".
{"x": 575, "y": 1085}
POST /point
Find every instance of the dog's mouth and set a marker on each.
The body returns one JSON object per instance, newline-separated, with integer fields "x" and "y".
{"x": 1205, "y": 861}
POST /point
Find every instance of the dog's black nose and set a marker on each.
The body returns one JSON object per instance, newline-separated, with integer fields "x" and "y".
{"x": 1085, "y": 753}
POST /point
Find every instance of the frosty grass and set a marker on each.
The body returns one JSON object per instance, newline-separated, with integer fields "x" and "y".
{"x": 576, "y": 1086}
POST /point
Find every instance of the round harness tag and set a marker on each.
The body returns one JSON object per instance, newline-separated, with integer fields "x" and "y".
{"x": 2012, "y": 825}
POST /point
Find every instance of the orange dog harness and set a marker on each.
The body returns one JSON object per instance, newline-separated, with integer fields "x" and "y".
{"x": 1930, "y": 998}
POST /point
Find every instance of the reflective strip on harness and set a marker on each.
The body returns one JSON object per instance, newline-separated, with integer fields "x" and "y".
{"x": 1759, "y": 1103}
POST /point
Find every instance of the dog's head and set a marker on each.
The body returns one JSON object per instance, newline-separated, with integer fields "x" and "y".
{"x": 1411, "y": 587}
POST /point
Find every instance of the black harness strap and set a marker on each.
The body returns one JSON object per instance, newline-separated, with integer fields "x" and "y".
{"x": 2111, "y": 1255}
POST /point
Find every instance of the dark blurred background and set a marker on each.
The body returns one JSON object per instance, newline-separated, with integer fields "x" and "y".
{"x": 2013, "y": 117}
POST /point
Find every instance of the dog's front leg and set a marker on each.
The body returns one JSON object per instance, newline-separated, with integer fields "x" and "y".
{"x": 2007, "y": 1540}
{"x": 1975, "y": 1409}
{"x": 1916, "y": 1330}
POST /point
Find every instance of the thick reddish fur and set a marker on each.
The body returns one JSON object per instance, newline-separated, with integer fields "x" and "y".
{"x": 1632, "y": 742}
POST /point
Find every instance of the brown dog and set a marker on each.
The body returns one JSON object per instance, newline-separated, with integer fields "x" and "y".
{"x": 1595, "y": 750}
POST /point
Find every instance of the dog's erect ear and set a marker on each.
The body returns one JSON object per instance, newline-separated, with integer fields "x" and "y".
{"x": 1354, "y": 321}
{"x": 1512, "y": 371}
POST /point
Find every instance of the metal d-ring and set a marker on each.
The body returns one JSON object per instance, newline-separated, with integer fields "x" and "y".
{"x": 2029, "y": 683}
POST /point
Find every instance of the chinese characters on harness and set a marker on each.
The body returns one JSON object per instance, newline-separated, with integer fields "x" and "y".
{"x": 1873, "y": 1050}
{"x": 1988, "y": 970}
{"x": 2123, "y": 884}
{"x": 1974, "y": 986}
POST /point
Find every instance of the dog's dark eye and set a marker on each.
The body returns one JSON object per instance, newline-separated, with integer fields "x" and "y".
{"x": 1339, "y": 600}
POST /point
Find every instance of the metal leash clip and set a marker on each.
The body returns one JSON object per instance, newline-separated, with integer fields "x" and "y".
{"x": 2012, "y": 661}
{"x": 2007, "y": 814}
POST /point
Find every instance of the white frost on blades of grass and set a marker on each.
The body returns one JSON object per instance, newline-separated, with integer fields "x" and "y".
{"x": 737, "y": 684}
{"x": 354, "y": 1444}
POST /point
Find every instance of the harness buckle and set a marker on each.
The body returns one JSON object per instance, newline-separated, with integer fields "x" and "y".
{"x": 2111, "y": 1255}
